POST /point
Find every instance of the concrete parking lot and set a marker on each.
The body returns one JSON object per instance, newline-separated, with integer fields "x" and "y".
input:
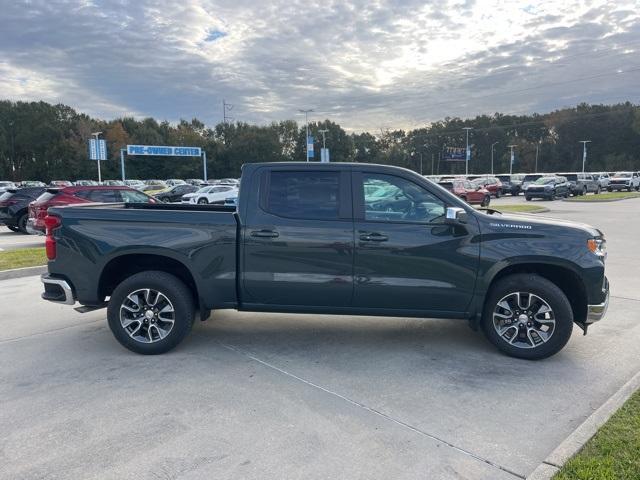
{"x": 11, "y": 240}
{"x": 305, "y": 396}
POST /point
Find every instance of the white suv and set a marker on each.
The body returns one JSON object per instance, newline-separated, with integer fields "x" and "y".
{"x": 624, "y": 181}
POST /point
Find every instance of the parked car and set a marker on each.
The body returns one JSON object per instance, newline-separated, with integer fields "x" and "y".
{"x": 175, "y": 181}
{"x": 60, "y": 183}
{"x": 511, "y": 183}
{"x": 4, "y": 186}
{"x": 303, "y": 240}
{"x": 492, "y": 184}
{"x": 603, "y": 179}
{"x": 14, "y": 207}
{"x": 32, "y": 183}
{"x": 175, "y": 193}
{"x": 153, "y": 185}
{"x": 113, "y": 183}
{"x": 548, "y": 187}
{"x": 85, "y": 183}
{"x": 78, "y": 194}
{"x": 225, "y": 181}
{"x": 530, "y": 178}
{"x": 468, "y": 192}
{"x": 137, "y": 184}
{"x": 195, "y": 181}
{"x": 581, "y": 183}
{"x": 214, "y": 194}
{"x": 624, "y": 181}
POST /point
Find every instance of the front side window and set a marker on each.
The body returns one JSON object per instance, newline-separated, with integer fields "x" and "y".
{"x": 391, "y": 198}
{"x": 303, "y": 194}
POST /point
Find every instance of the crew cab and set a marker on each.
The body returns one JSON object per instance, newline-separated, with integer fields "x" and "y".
{"x": 328, "y": 238}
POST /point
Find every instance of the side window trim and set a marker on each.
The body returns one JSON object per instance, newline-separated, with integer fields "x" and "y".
{"x": 357, "y": 182}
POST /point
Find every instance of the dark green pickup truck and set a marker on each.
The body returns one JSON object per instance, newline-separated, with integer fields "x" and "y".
{"x": 332, "y": 238}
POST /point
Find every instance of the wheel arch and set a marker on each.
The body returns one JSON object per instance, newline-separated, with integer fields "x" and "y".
{"x": 565, "y": 277}
{"x": 123, "y": 266}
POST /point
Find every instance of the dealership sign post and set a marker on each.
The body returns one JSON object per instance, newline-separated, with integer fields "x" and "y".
{"x": 164, "y": 151}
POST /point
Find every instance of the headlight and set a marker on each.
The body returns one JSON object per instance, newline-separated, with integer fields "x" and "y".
{"x": 598, "y": 246}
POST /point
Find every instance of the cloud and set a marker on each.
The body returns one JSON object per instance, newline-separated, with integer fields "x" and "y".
{"x": 365, "y": 63}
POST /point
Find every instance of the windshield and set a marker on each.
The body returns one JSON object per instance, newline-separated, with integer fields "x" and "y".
{"x": 623, "y": 174}
{"x": 572, "y": 177}
{"x": 544, "y": 180}
{"x": 531, "y": 178}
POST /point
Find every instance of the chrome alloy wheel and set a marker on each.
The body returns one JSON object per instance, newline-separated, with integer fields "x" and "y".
{"x": 524, "y": 320}
{"x": 147, "y": 315}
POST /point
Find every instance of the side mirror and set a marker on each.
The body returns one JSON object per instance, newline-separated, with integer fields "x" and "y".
{"x": 455, "y": 215}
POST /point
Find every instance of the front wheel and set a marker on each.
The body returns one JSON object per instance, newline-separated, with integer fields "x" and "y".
{"x": 151, "y": 312}
{"x": 527, "y": 198}
{"x": 22, "y": 223}
{"x": 486, "y": 201}
{"x": 498, "y": 194}
{"x": 527, "y": 316}
{"x": 598, "y": 190}
{"x": 202, "y": 201}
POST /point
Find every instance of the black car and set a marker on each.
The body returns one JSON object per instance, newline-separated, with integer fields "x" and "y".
{"x": 316, "y": 238}
{"x": 175, "y": 193}
{"x": 511, "y": 183}
{"x": 548, "y": 187}
{"x": 14, "y": 207}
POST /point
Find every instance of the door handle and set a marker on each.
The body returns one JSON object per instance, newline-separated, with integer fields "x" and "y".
{"x": 265, "y": 234}
{"x": 373, "y": 237}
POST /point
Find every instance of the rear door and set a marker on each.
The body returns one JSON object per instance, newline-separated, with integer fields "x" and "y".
{"x": 406, "y": 257}
{"x": 298, "y": 240}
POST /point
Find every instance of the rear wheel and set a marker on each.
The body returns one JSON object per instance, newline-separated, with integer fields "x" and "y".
{"x": 598, "y": 190}
{"x": 151, "y": 312}
{"x": 22, "y": 223}
{"x": 498, "y": 194}
{"x": 486, "y": 201}
{"x": 527, "y": 198}
{"x": 202, "y": 201}
{"x": 527, "y": 316}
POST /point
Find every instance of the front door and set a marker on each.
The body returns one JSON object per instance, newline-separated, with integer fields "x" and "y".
{"x": 298, "y": 242}
{"x": 406, "y": 257}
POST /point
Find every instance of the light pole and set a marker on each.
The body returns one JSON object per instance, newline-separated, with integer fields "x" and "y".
{"x": 97, "y": 137}
{"x": 511, "y": 159}
{"x": 324, "y": 144}
{"x": 492, "y": 145}
{"x": 306, "y": 122}
{"x": 468, "y": 153}
{"x": 584, "y": 152}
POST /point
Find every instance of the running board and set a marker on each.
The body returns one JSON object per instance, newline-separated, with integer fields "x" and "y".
{"x": 89, "y": 308}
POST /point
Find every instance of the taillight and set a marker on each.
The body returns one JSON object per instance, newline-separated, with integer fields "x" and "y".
{"x": 51, "y": 223}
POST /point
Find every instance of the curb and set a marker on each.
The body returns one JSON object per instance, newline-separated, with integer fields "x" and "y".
{"x": 601, "y": 201}
{"x": 581, "y": 435}
{"x": 23, "y": 272}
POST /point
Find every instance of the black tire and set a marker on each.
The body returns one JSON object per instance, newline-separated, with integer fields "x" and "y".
{"x": 486, "y": 201}
{"x": 598, "y": 190}
{"x": 527, "y": 198}
{"x": 498, "y": 194}
{"x": 174, "y": 290}
{"x": 630, "y": 188}
{"x": 609, "y": 189}
{"x": 584, "y": 191}
{"x": 464, "y": 199}
{"x": 547, "y": 291}
{"x": 13, "y": 228}
{"x": 202, "y": 201}
{"x": 22, "y": 223}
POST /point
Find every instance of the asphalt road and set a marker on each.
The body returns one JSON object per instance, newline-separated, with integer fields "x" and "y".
{"x": 304, "y": 396}
{"x": 12, "y": 241}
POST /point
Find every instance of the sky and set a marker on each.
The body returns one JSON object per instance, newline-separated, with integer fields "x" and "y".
{"x": 367, "y": 65}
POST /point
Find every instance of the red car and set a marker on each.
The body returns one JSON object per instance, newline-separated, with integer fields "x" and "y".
{"x": 492, "y": 184}
{"x": 55, "y": 197}
{"x": 468, "y": 192}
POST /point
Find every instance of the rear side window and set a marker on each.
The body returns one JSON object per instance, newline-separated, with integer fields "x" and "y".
{"x": 46, "y": 197}
{"x": 305, "y": 195}
{"x": 101, "y": 196}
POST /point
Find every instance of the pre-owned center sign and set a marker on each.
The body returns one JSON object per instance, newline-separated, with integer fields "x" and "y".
{"x": 165, "y": 151}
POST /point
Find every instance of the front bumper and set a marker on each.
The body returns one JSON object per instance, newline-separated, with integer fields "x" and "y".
{"x": 598, "y": 311}
{"x": 618, "y": 186}
{"x": 57, "y": 290}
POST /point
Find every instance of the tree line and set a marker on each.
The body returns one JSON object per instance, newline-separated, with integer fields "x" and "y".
{"x": 41, "y": 141}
